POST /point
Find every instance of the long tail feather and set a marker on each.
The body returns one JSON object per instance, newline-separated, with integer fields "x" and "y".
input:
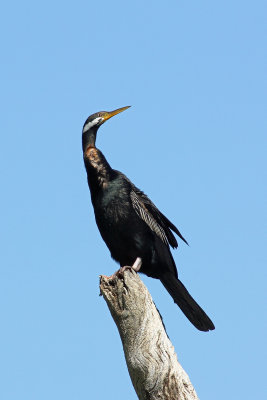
{"x": 187, "y": 304}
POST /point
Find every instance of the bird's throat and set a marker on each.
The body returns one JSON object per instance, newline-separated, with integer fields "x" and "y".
{"x": 98, "y": 169}
{"x": 89, "y": 138}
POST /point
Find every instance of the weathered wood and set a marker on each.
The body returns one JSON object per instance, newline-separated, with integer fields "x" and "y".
{"x": 150, "y": 356}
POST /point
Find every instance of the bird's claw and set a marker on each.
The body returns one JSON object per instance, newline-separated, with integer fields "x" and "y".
{"x": 122, "y": 269}
{"x": 136, "y": 267}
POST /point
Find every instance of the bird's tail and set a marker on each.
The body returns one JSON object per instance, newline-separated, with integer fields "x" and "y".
{"x": 187, "y": 304}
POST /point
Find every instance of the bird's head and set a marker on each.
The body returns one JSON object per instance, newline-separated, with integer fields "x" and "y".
{"x": 97, "y": 119}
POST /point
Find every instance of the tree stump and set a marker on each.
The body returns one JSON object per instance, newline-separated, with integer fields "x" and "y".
{"x": 151, "y": 360}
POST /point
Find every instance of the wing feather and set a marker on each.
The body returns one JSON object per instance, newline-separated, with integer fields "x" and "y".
{"x": 147, "y": 217}
{"x": 157, "y": 222}
{"x": 150, "y": 214}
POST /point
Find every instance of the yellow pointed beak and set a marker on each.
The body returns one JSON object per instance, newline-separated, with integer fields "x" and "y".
{"x": 110, "y": 114}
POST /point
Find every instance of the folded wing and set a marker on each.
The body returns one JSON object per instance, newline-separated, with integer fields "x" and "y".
{"x": 156, "y": 221}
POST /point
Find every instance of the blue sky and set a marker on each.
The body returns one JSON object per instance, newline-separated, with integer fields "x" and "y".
{"x": 194, "y": 73}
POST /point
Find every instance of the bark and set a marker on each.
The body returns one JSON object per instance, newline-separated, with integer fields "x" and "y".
{"x": 150, "y": 356}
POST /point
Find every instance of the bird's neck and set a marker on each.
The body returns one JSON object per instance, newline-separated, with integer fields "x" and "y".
{"x": 89, "y": 137}
{"x": 99, "y": 172}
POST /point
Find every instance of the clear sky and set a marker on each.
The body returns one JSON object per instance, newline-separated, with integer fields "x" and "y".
{"x": 193, "y": 141}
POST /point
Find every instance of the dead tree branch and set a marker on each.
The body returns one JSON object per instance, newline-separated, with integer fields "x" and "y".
{"x": 150, "y": 356}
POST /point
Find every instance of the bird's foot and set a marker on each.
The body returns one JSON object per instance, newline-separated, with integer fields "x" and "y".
{"x": 136, "y": 267}
{"x": 122, "y": 269}
{"x": 119, "y": 273}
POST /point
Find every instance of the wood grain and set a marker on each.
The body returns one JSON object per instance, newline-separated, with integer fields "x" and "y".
{"x": 152, "y": 362}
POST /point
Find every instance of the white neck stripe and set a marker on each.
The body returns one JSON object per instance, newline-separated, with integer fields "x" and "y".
{"x": 90, "y": 124}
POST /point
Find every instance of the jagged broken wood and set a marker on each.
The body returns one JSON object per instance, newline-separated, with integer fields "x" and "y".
{"x": 150, "y": 356}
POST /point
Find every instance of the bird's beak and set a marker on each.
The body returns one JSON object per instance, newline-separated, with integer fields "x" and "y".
{"x": 110, "y": 114}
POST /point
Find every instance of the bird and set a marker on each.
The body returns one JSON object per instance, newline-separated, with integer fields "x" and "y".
{"x": 136, "y": 233}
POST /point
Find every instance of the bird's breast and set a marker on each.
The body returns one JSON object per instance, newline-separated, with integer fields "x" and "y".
{"x": 112, "y": 206}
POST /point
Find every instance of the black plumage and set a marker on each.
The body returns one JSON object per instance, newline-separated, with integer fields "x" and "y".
{"x": 132, "y": 226}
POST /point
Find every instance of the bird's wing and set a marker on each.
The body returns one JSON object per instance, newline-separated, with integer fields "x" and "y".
{"x": 146, "y": 216}
{"x": 157, "y": 222}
